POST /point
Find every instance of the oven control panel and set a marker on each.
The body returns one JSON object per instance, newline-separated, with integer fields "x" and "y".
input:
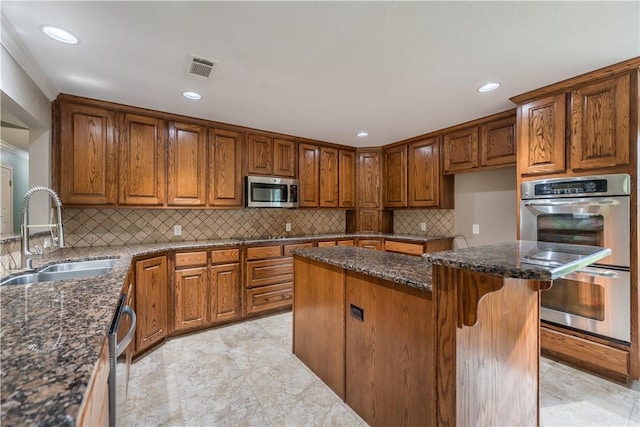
{"x": 571, "y": 187}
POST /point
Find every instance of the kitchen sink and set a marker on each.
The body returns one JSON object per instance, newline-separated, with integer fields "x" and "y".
{"x": 64, "y": 271}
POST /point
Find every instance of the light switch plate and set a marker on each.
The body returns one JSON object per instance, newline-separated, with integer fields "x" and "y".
{"x": 476, "y": 228}
{"x": 177, "y": 230}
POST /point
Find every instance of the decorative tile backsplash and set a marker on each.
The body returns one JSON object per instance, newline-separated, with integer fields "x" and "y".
{"x": 111, "y": 227}
{"x": 10, "y": 251}
{"x": 439, "y": 222}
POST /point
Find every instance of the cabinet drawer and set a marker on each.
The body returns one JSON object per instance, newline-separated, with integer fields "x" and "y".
{"x": 185, "y": 259}
{"x": 269, "y": 272}
{"x": 403, "y": 247}
{"x": 289, "y": 248}
{"x": 345, "y": 242}
{"x": 324, "y": 244}
{"x": 225, "y": 255}
{"x": 376, "y": 245}
{"x": 264, "y": 252}
{"x": 269, "y": 297}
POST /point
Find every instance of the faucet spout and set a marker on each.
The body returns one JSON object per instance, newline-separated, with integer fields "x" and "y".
{"x": 27, "y": 255}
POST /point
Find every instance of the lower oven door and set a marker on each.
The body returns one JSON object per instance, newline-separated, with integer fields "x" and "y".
{"x": 120, "y": 338}
{"x": 594, "y": 300}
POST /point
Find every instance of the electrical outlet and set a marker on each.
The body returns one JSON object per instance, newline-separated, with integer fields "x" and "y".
{"x": 47, "y": 242}
{"x": 476, "y": 228}
{"x": 177, "y": 230}
{"x": 423, "y": 226}
{"x": 287, "y": 226}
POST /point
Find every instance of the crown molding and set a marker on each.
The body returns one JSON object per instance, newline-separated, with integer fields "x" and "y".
{"x": 13, "y": 150}
{"x": 11, "y": 41}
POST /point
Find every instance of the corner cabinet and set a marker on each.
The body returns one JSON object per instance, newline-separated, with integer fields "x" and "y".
{"x": 152, "y": 302}
{"x": 142, "y": 160}
{"x": 88, "y": 152}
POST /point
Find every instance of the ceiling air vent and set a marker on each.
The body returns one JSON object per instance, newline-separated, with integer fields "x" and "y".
{"x": 199, "y": 68}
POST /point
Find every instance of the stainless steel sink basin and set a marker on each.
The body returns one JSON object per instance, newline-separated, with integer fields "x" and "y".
{"x": 64, "y": 271}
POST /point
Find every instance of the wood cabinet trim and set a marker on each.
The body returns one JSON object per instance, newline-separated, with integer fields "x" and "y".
{"x": 190, "y": 259}
{"x": 260, "y": 252}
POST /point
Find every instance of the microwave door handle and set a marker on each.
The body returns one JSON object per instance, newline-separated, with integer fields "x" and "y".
{"x": 122, "y": 345}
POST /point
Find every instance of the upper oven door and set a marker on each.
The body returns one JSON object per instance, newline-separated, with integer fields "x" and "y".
{"x": 593, "y": 221}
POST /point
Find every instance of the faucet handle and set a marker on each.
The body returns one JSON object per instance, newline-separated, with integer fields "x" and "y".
{"x": 37, "y": 250}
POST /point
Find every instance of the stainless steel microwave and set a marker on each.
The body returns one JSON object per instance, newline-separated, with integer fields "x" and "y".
{"x": 271, "y": 192}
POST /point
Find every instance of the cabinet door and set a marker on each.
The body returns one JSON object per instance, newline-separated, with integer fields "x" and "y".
{"x": 152, "y": 301}
{"x": 259, "y": 154}
{"x": 541, "y": 136}
{"x": 368, "y": 179}
{"x": 347, "y": 180}
{"x": 498, "y": 143}
{"x": 396, "y": 329}
{"x": 190, "y": 298}
{"x": 186, "y": 170}
{"x": 142, "y": 169}
{"x": 424, "y": 173}
{"x": 224, "y": 296}
{"x": 87, "y": 162}
{"x": 284, "y": 157}
{"x": 225, "y": 168}
{"x": 308, "y": 175}
{"x": 328, "y": 177}
{"x": 394, "y": 194}
{"x": 600, "y": 124}
{"x": 461, "y": 150}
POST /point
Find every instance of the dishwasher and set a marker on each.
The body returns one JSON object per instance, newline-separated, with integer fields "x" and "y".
{"x": 121, "y": 334}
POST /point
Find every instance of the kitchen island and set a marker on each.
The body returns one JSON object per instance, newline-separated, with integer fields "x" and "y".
{"x": 452, "y": 339}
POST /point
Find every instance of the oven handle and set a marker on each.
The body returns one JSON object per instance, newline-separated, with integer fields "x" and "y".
{"x": 122, "y": 345}
{"x": 591, "y": 203}
{"x": 598, "y": 272}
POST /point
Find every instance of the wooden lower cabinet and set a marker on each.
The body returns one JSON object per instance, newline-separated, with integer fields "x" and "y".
{"x": 371, "y": 341}
{"x": 224, "y": 297}
{"x": 388, "y": 325}
{"x": 94, "y": 410}
{"x": 190, "y": 297}
{"x": 152, "y": 301}
{"x": 375, "y": 244}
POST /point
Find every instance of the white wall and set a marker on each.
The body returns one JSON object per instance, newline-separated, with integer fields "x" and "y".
{"x": 30, "y": 105}
{"x": 487, "y": 198}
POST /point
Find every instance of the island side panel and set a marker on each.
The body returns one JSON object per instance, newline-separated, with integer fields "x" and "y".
{"x": 390, "y": 352}
{"x": 493, "y": 366}
{"x": 318, "y": 321}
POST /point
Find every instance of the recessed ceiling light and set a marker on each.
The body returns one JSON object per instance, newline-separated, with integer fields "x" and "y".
{"x": 191, "y": 95}
{"x": 362, "y": 134}
{"x": 488, "y": 87}
{"x": 58, "y": 34}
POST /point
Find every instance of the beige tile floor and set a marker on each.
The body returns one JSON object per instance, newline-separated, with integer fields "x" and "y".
{"x": 246, "y": 375}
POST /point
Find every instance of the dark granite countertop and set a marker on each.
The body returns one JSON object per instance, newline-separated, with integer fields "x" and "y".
{"x": 521, "y": 259}
{"x": 404, "y": 269}
{"x": 52, "y": 332}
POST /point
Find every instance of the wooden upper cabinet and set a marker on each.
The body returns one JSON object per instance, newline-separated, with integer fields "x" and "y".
{"x": 284, "y": 157}
{"x": 225, "y": 168}
{"x": 600, "y": 124}
{"x": 461, "y": 150}
{"x": 498, "y": 142}
{"x": 424, "y": 173}
{"x": 142, "y": 158}
{"x": 394, "y": 194}
{"x": 308, "y": 175}
{"x": 87, "y": 165}
{"x": 186, "y": 170}
{"x": 368, "y": 179}
{"x": 347, "y": 180}
{"x": 259, "y": 154}
{"x": 328, "y": 177}
{"x": 541, "y": 136}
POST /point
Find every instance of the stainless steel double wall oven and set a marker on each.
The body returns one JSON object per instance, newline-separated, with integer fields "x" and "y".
{"x": 589, "y": 210}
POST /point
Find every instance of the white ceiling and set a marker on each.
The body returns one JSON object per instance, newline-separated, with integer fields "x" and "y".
{"x": 325, "y": 70}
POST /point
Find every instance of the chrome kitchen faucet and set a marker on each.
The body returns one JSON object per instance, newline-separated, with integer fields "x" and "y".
{"x": 27, "y": 256}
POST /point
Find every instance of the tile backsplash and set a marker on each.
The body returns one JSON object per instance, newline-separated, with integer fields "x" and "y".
{"x": 111, "y": 227}
{"x": 440, "y": 222}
